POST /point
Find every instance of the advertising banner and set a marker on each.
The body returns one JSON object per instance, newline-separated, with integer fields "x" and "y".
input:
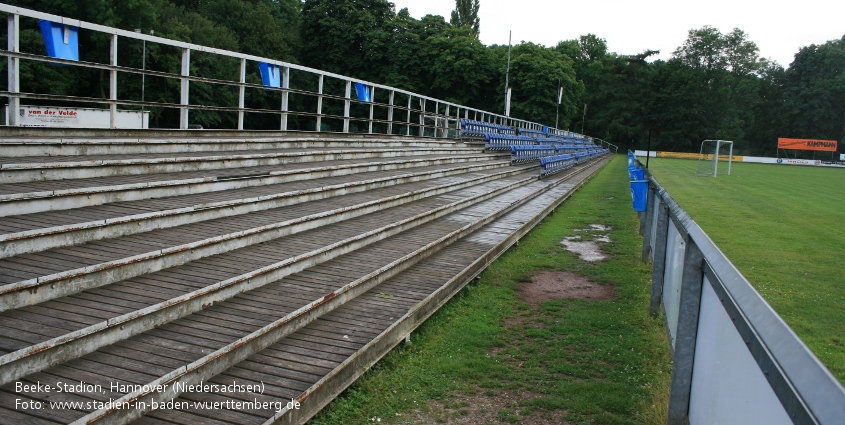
{"x": 808, "y": 144}
{"x": 684, "y": 155}
{"x": 51, "y": 116}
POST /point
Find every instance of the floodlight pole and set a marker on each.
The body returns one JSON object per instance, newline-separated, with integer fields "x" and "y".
{"x": 559, "y": 99}
{"x": 583, "y": 118}
{"x": 507, "y": 76}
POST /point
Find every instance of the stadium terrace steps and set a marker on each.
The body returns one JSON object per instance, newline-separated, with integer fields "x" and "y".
{"x": 305, "y": 281}
{"x": 52, "y": 146}
{"x": 31, "y": 197}
{"x": 30, "y": 169}
{"x": 40, "y": 231}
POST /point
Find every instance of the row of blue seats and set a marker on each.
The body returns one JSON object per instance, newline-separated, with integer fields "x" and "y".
{"x": 536, "y": 134}
{"x": 553, "y": 164}
{"x": 570, "y": 141}
{"x": 523, "y": 153}
{"x": 503, "y": 142}
{"x": 472, "y": 128}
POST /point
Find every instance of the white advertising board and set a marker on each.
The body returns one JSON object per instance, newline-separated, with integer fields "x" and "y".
{"x": 52, "y": 116}
{"x": 756, "y": 159}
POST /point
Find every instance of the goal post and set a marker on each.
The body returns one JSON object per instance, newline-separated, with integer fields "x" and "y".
{"x": 712, "y": 151}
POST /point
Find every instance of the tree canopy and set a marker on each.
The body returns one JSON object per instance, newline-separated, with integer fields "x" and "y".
{"x": 466, "y": 15}
{"x": 715, "y": 85}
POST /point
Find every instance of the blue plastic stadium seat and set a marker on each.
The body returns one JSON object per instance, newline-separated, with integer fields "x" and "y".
{"x": 270, "y": 74}
{"x": 61, "y": 41}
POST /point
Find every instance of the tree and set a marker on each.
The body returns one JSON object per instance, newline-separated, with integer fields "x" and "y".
{"x": 728, "y": 67}
{"x": 535, "y": 72}
{"x": 592, "y": 47}
{"x": 814, "y": 92}
{"x": 711, "y": 50}
{"x": 618, "y": 97}
{"x": 466, "y": 15}
{"x": 267, "y": 28}
{"x": 349, "y": 37}
{"x": 462, "y": 69}
{"x": 407, "y": 68}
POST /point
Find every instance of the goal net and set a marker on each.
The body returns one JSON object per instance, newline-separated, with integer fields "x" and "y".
{"x": 714, "y": 158}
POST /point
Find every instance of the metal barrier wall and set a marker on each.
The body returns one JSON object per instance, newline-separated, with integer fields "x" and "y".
{"x": 735, "y": 360}
{"x": 392, "y": 110}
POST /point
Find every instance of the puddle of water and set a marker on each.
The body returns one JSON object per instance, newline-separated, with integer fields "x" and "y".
{"x": 587, "y": 250}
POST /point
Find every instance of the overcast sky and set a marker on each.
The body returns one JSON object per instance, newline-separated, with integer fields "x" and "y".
{"x": 632, "y": 27}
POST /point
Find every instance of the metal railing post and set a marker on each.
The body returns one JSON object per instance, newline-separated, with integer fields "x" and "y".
{"x": 659, "y": 259}
{"x": 346, "y": 106}
{"x": 446, "y": 120}
{"x": 686, "y": 334}
{"x": 422, "y": 117}
{"x": 390, "y": 112}
{"x": 372, "y": 101}
{"x": 186, "y": 71}
{"x": 241, "y": 95}
{"x": 285, "y": 97}
{"x": 408, "y": 129}
{"x": 320, "y": 102}
{"x": 113, "y": 83}
{"x": 14, "y": 83}
{"x": 436, "y": 117}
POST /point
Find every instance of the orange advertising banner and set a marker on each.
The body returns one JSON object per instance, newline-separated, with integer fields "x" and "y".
{"x": 808, "y": 144}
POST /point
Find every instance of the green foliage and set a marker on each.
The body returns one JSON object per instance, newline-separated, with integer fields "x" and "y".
{"x": 814, "y": 92}
{"x": 465, "y": 15}
{"x": 534, "y": 75}
{"x": 348, "y": 37}
{"x": 451, "y": 54}
{"x": 708, "y": 48}
{"x": 263, "y": 28}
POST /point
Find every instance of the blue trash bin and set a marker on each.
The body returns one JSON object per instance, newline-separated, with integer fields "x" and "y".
{"x": 636, "y": 173}
{"x": 639, "y": 194}
{"x": 271, "y": 76}
{"x": 62, "y": 41}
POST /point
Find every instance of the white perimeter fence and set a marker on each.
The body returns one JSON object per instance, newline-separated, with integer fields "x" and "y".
{"x": 735, "y": 360}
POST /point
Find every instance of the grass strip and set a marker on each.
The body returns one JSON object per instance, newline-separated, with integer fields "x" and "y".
{"x": 489, "y": 356}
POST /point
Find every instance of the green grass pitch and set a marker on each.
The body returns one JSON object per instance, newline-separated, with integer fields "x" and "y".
{"x": 783, "y": 226}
